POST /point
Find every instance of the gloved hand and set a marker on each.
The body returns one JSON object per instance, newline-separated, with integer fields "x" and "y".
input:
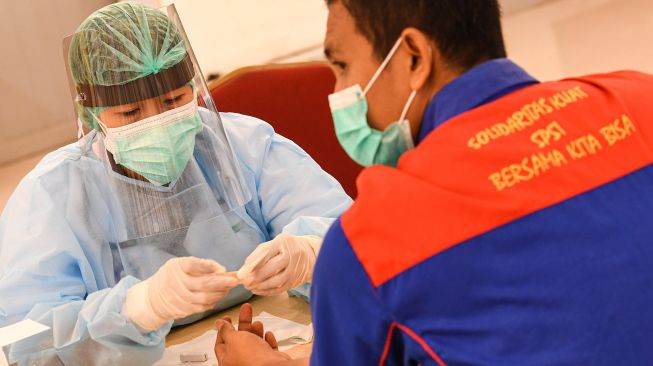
{"x": 181, "y": 287}
{"x": 280, "y": 264}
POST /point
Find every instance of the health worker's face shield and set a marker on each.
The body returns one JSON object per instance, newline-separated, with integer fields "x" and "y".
{"x": 138, "y": 85}
{"x": 160, "y": 179}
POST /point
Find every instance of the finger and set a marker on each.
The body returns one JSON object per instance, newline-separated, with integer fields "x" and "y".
{"x": 271, "y": 292}
{"x": 225, "y": 332}
{"x": 191, "y": 309}
{"x": 173, "y": 299}
{"x": 208, "y": 295}
{"x": 245, "y": 318}
{"x": 257, "y": 328}
{"x": 271, "y": 340}
{"x": 218, "y": 323}
{"x": 206, "y": 299}
{"x": 233, "y": 274}
{"x": 197, "y": 267}
{"x": 260, "y": 255}
{"x": 275, "y": 283}
{"x": 210, "y": 283}
{"x": 181, "y": 302}
{"x": 275, "y": 265}
{"x": 220, "y": 350}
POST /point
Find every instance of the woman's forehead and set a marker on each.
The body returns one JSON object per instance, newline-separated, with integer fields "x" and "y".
{"x": 171, "y": 94}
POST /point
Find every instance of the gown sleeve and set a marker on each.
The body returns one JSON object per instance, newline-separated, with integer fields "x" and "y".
{"x": 46, "y": 276}
{"x": 295, "y": 195}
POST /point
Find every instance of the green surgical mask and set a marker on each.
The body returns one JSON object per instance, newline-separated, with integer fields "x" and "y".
{"x": 364, "y": 144}
{"x": 158, "y": 147}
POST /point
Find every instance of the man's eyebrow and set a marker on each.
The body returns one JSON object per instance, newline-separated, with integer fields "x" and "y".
{"x": 330, "y": 49}
{"x": 328, "y": 52}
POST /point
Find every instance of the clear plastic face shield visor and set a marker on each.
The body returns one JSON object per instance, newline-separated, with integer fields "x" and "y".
{"x": 142, "y": 90}
{"x": 160, "y": 178}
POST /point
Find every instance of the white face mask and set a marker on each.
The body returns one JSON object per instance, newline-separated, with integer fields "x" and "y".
{"x": 364, "y": 144}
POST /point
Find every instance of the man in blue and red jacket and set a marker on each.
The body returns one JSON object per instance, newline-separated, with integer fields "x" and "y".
{"x": 517, "y": 231}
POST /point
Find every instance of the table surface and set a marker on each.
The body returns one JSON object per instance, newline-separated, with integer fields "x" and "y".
{"x": 283, "y": 306}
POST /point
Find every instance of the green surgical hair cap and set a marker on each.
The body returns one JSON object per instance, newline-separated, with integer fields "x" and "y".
{"x": 120, "y": 43}
{"x": 123, "y": 42}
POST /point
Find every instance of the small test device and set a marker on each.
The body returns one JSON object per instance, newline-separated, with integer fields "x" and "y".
{"x": 193, "y": 357}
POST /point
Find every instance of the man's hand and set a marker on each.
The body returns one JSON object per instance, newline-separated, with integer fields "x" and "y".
{"x": 245, "y": 324}
{"x": 246, "y": 346}
{"x": 243, "y": 348}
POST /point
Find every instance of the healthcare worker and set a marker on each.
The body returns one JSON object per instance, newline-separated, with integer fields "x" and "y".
{"x": 147, "y": 218}
{"x": 518, "y": 229}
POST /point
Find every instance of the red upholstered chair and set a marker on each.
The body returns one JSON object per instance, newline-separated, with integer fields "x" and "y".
{"x": 293, "y": 99}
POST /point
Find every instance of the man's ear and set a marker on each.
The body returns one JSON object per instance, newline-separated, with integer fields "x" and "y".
{"x": 420, "y": 48}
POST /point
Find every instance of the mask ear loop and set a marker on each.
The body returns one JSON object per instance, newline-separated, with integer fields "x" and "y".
{"x": 408, "y": 104}
{"x": 102, "y": 126}
{"x": 383, "y": 65}
{"x": 80, "y": 129}
{"x": 105, "y": 132}
{"x": 402, "y": 119}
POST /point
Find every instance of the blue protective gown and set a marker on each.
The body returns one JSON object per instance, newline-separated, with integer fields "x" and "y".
{"x": 51, "y": 272}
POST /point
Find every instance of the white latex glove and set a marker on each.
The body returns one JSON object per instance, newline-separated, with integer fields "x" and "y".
{"x": 181, "y": 287}
{"x": 280, "y": 264}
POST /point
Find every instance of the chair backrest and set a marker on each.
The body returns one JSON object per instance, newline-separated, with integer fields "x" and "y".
{"x": 293, "y": 99}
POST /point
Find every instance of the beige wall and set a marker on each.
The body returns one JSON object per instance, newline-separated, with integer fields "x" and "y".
{"x": 551, "y": 38}
{"x": 574, "y": 37}
{"x": 227, "y": 34}
{"x": 35, "y": 107}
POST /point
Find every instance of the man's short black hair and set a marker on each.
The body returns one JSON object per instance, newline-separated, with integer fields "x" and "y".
{"x": 466, "y": 31}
